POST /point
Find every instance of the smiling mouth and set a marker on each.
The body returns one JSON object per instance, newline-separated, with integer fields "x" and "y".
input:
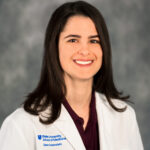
{"x": 84, "y": 62}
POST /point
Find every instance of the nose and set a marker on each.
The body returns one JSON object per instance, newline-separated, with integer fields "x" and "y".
{"x": 84, "y": 50}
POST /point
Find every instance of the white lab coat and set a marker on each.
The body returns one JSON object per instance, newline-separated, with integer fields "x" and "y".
{"x": 117, "y": 131}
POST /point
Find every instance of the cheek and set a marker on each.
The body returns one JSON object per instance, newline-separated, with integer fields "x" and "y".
{"x": 98, "y": 52}
{"x": 62, "y": 51}
{"x": 99, "y": 56}
{"x": 66, "y": 52}
{"x": 64, "y": 57}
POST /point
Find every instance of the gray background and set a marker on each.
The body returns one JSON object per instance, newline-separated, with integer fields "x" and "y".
{"x": 22, "y": 28}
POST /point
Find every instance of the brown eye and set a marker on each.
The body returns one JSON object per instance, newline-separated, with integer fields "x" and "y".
{"x": 72, "y": 40}
{"x": 95, "y": 41}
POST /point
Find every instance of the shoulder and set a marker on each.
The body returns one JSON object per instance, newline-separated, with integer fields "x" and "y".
{"x": 102, "y": 102}
{"x": 122, "y": 126}
{"x": 124, "y": 120}
{"x": 19, "y": 117}
{"x": 19, "y": 121}
{"x": 20, "y": 125}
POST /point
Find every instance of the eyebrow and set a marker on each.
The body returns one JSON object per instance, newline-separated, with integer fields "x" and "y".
{"x": 78, "y": 36}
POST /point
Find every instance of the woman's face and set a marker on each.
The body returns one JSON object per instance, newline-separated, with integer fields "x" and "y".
{"x": 80, "y": 52}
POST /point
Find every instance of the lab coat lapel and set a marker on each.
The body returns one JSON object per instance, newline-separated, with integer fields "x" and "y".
{"x": 104, "y": 125}
{"x": 67, "y": 127}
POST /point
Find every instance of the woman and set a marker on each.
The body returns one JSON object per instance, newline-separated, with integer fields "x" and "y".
{"x": 76, "y": 104}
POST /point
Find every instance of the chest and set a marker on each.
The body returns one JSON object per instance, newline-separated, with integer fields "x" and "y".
{"x": 51, "y": 139}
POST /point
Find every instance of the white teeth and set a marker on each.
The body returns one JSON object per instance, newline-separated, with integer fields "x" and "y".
{"x": 83, "y": 62}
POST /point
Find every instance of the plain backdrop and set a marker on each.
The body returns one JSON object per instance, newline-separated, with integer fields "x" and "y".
{"x": 22, "y": 29}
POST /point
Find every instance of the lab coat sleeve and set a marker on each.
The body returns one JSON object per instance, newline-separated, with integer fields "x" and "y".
{"x": 12, "y": 137}
{"x": 136, "y": 141}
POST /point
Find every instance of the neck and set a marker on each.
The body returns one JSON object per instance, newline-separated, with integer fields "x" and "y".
{"x": 79, "y": 93}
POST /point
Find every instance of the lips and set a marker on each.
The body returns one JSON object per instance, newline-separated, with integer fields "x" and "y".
{"x": 83, "y": 62}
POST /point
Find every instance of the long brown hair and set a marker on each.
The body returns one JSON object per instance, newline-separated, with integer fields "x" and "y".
{"x": 51, "y": 88}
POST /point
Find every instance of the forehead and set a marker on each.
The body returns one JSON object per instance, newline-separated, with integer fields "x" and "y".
{"x": 80, "y": 24}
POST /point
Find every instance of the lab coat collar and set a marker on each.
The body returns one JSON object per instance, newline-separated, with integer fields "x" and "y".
{"x": 104, "y": 125}
{"x": 67, "y": 127}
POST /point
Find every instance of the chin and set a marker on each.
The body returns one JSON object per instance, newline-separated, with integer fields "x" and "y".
{"x": 84, "y": 77}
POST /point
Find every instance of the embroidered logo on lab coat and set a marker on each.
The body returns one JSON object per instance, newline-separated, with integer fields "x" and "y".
{"x": 39, "y": 137}
{"x": 51, "y": 140}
